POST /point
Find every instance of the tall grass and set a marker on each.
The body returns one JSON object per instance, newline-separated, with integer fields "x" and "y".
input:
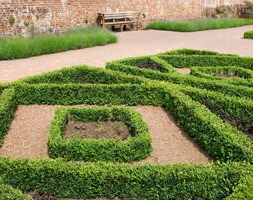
{"x": 248, "y": 35}
{"x": 14, "y": 48}
{"x": 199, "y": 25}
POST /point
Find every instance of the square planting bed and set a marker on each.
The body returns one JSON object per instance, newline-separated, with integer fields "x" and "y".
{"x": 119, "y": 135}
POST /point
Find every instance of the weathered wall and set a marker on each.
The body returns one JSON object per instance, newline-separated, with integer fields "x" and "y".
{"x": 21, "y": 16}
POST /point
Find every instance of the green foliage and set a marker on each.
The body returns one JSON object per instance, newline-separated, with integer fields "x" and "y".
{"x": 199, "y": 25}
{"x": 82, "y": 75}
{"x": 14, "y": 48}
{"x": 91, "y": 180}
{"x": 180, "y": 61}
{"x": 191, "y": 52}
{"x": 115, "y": 150}
{"x": 9, "y": 193}
{"x": 71, "y": 94}
{"x": 225, "y": 74}
{"x": 218, "y": 139}
{"x": 78, "y": 85}
{"x": 248, "y": 34}
{"x": 176, "y": 78}
{"x": 7, "y": 108}
{"x": 243, "y": 190}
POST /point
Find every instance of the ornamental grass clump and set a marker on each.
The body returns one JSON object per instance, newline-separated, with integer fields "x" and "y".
{"x": 19, "y": 47}
{"x": 199, "y": 25}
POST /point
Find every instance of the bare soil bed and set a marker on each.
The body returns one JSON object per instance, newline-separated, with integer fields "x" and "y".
{"x": 97, "y": 130}
{"x": 27, "y": 137}
{"x": 149, "y": 65}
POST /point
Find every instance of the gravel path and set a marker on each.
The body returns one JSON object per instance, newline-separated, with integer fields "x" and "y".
{"x": 130, "y": 44}
{"x": 29, "y": 131}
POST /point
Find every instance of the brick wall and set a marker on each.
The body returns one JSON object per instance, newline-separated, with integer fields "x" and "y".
{"x": 21, "y": 16}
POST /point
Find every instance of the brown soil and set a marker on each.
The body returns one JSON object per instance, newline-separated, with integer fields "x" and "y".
{"x": 247, "y": 129}
{"x": 232, "y": 75}
{"x": 184, "y": 71}
{"x": 97, "y": 130}
{"x": 149, "y": 65}
{"x": 29, "y": 130}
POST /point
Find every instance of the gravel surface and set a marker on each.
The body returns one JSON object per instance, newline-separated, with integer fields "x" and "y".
{"x": 30, "y": 127}
{"x": 184, "y": 71}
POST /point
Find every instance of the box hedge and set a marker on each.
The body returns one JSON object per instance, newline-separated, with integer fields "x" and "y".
{"x": 213, "y": 85}
{"x": 136, "y": 148}
{"x": 92, "y": 180}
{"x": 248, "y": 35}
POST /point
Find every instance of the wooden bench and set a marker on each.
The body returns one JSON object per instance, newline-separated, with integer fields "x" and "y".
{"x": 119, "y": 18}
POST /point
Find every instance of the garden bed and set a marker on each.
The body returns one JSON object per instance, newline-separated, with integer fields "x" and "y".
{"x": 226, "y": 179}
{"x": 15, "y": 48}
{"x": 199, "y": 25}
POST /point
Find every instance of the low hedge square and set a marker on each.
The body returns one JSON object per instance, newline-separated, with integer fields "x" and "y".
{"x": 134, "y": 148}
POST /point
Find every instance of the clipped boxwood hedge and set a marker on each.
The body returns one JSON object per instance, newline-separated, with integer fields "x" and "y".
{"x": 180, "y": 61}
{"x": 7, "y": 107}
{"x": 248, "y": 35}
{"x": 91, "y": 180}
{"x": 9, "y": 193}
{"x": 81, "y": 75}
{"x": 208, "y": 129}
{"x": 244, "y": 76}
{"x": 243, "y": 190}
{"x": 133, "y": 149}
{"x": 213, "y": 85}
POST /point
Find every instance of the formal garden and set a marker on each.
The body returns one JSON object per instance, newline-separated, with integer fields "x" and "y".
{"x": 98, "y": 139}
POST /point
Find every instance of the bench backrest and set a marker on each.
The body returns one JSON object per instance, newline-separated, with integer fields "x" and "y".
{"x": 120, "y": 15}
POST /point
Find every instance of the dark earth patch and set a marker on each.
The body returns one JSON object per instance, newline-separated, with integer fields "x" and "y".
{"x": 246, "y": 128}
{"x": 149, "y": 65}
{"x": 97, "y": 130}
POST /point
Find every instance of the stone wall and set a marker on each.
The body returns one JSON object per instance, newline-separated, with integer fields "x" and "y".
{"x": 23, "y": 16}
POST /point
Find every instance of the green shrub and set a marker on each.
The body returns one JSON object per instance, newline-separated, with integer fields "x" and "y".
{"x": 199, "y": 25}
{"x": 92, "y": 180}
{"x": 133, "y": 149}
{"x": 243, "y": 190}
{"x": 244, "y": 77}
{"x": 190, "y": 52}
{"x": 176, "y": 78}
{"x": 7, "y": 108}
{"x": 14, "y": 48}
{"x": 9, "y": 193}
{"x": 180, "y": 61}
{"x": 248, "y": 35}
{"x": 81, "y": 75}
{"x": 72, "y": 94}
{"x": 218, "y": 139}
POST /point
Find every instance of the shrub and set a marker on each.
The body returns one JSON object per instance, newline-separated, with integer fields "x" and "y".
{"x": 91, "y": 180}
{"x": 133, "y": 149}
{"x": 243, "y": 190}
{"x": 7, "y": 108}
{"x": 243, "y": 77}
{"x": 248, "y": 35}
{"x": 14, "y": 48}
{"x": 9, "y": 193}
{"x": 213, "y": 85}
{"x": 199, "y": 25}
{"x": 81, "y": 75}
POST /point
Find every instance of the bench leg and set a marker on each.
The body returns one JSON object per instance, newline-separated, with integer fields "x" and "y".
{"x": 121, "y": 27}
